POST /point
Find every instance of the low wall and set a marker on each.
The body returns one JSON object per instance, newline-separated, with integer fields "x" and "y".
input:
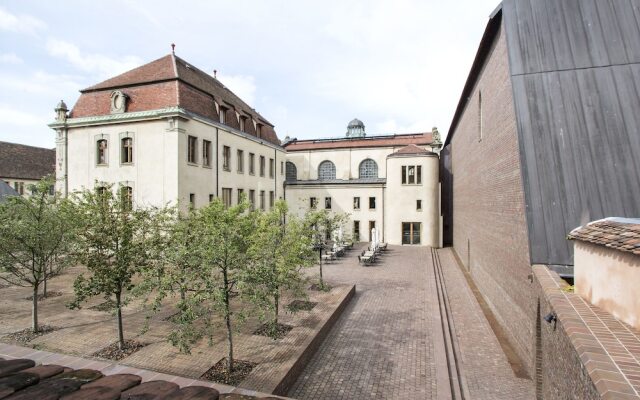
{"x": 586, "y": 353}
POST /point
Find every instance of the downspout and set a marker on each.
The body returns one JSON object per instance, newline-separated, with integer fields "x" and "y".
{"x": 217, "y": 160}
{"x": 66, "y": 160}
{"x": 275, "y": 174}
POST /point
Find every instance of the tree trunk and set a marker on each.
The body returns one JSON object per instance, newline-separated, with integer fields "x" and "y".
{"x": 44, "y": 288}
{"x": 119, "y": 318}
{"x": 276, "y": 301}
{"x": 321, "y": 281}
{"x": 227, "y": 318}
{"x": 34, "y": 310}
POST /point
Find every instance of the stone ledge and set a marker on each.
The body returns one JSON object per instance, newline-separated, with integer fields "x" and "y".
{"x": 279, "y": 380}
{"x": 608, "y": 348}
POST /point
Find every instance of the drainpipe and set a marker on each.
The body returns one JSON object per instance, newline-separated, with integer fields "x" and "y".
{"x": 275, "y": 174}
{"x": 217, "y": 158}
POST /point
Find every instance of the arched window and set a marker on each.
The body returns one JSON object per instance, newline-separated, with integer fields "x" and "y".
{"x": 326, "y": 170}
{"x": 102, "y": 152}
{"x": 368, "y": 169}
{"x": 292, "y": 172}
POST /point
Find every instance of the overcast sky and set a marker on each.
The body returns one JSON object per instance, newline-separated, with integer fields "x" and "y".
{"x": 309, "y": 67}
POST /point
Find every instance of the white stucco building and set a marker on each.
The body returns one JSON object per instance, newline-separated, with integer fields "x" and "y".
{"x": 168, "y": 132}
{"x": 387, "y": 182}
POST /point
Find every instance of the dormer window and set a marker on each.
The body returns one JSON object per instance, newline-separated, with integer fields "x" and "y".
{"x": 259, "y": 130}
{"x": 242, "y": 123}
{"x": 222, "y": 115}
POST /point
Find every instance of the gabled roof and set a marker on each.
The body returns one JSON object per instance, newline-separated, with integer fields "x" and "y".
{"x": 412, "y": 150}
{"x": 616, "y": 233}
{"x": 171, "y": 81}
{"x": 360, "y": 142}
{"x": 20, "y": 161}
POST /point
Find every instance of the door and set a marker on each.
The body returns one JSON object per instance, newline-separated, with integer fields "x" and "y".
{"x": 411, "y": 233}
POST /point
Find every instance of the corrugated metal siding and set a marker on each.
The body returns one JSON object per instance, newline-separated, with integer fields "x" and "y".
{"x": 575, "y": 67}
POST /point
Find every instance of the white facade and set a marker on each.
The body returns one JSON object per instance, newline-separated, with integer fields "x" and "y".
{"x": 160, "y": 172}
{"x": 400, "y": 210}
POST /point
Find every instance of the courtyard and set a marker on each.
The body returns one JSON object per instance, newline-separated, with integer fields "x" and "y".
{"x": 389, "y": 342}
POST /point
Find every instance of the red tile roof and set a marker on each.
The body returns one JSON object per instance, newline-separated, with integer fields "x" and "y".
{"x": 616, "y": 233}
{"x": 369, "y": 141}
{"x": 26, "y": 162}
{"x": 167, "y": 82}
{"x": 412, "y": 149}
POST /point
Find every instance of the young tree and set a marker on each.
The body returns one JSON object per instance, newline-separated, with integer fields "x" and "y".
{"x": 112, "y": 242}
{"x": 322, "y": 224}
{"x": 35, "y": 236}
{"x": 281, "y": 247}
{"x": 220, "y": 242}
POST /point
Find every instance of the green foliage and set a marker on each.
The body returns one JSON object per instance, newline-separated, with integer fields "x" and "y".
{"x": 281, "y": 247}
{"x": 113, "y": 241}
{"x": 36, "y": 234}
{"x": 323, "y": 225}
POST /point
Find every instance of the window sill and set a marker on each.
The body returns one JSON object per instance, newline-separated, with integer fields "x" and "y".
{"x": 102, "y": 165}
{"x": 411, "y": 184}
{"x": 207, "y": 166}
{"x": 226, "y": 169}
{"x": 193, "y": 164}
{"x": 128, "y": 164}
{"x": 241, "y": 172}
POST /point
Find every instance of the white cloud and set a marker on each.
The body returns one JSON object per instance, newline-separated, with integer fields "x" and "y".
{"x": 23, "y": 23}
{"x": 15, "y": 117}
{"x": 40, "y": 83}
{"x": 242, "y": 85}
{"x": 10, "y": 58}
{"x": 98, "y": 64}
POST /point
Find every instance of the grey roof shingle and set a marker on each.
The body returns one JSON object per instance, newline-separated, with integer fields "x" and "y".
{"x": 20, "y": 161}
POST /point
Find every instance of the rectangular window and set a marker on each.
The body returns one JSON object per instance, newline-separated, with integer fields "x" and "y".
{"x": 19, "y": 187}
{"x": 262, "y": 199}
{"x": 262, "y": 165}
{"x": 372, "y": 203}
{"x": 356, "y": 231}
{"x": 206, "y": 153}
{"x": 102, "y": 152}
{"x": 192, "y": 145}
{"x": 226, "y": 158}
{"x": 252, "y": 198}
{"x": 412, "y": 174}
{"x": 226, "y": 196}
{"x": 327, "y": 203}
{"x": 259, "y": 130}
{"x": 242, "y": 123}
{"x": 240, "y": 195}
{"x": 281, "y": 167}
{"x": 192, "y": 200}
{"x": 271, "y": 167}
{"x": 211, "y": 197}
{"x": 419, "y": 205}
{"x": 223, "y": 115}
{"x": 127, "y": 150}
{"x": 272, "y": 199}
{"x": 313, "y": 202}
{"x": 356, "y": 203}
{"x": 240, "y": 157}
{"x": 252, "y": 163}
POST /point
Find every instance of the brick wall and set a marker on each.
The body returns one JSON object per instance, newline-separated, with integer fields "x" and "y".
{"x": 488, "y": 213}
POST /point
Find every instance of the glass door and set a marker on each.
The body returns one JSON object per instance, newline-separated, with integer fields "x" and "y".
{"x": 411, "y": 233}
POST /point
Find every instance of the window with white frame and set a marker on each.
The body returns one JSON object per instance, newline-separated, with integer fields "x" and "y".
{"x": 102, "y": 149}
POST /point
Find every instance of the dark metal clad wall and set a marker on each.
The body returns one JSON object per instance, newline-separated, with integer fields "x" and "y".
{"x": 575, "y": 67}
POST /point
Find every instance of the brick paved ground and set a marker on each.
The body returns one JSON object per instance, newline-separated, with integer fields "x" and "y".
{"x": 382, "y": 345}
{"x": 485, "y": 367}
{"x": 85, "y": 331}
{"x": 387, "y": 345}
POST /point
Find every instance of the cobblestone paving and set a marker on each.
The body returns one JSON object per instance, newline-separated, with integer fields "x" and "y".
{"x": 485, "y": 367}
{"x": 386, "y": 344}
{"x": 382, "y": 345}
